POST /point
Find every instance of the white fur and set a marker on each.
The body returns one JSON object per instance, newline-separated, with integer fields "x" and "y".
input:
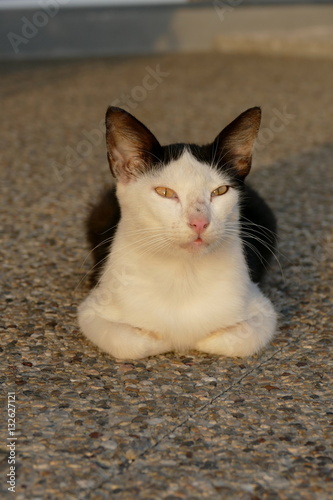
{"x": 160, "y": 291}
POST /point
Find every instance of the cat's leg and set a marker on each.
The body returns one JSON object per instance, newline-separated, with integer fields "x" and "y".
{"x": 244, "y": 338}
{"x": 121, "y": 340}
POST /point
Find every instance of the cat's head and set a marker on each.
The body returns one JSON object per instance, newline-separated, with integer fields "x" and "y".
{"x": 180, "y": 196}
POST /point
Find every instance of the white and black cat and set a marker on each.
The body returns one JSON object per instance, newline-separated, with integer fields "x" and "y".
{"x": 179, "y": 245}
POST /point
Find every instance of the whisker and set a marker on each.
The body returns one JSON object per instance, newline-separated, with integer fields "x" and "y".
{"x": 142, "y": 231}
{"x": 263, "y": 228}
{"x": 107, "y": 240}
{"x": 270, "y": 247}
{"x": 108, "y": 229}
{"x": 100, "y": 262}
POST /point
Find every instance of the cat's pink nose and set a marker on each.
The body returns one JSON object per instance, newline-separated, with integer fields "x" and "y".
{"x": 199, "y": 224}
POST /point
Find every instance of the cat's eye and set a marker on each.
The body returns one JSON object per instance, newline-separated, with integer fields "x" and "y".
{"x": 219, "y": 191}
{"x": 166, "y": 192}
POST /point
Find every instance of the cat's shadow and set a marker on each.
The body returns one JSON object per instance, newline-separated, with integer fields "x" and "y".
{"x": 299, "y": 190}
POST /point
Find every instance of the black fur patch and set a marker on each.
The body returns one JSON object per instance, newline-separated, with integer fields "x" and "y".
{"x": 101, "y": 226}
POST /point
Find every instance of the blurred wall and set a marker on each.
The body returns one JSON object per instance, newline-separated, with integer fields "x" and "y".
{"x": 61, "y": 28}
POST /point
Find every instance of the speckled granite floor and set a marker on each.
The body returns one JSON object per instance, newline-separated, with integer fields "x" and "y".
{"x": 171, "y": 427}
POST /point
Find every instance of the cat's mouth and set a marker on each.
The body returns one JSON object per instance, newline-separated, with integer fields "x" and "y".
{"x": 195, "y": 245}
{"x": 198, "y": 241}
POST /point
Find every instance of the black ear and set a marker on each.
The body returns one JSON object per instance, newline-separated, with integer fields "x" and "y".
{"x": 132, "y": 148}
{"x": 232, "y": 148}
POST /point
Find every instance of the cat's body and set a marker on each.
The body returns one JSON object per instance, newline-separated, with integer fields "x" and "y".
{"x": 180, "y": 258}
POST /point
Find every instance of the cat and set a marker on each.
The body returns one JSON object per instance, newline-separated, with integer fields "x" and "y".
{"x": 180, "y": 245}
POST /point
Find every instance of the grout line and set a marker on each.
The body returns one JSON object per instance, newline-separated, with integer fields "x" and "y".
{"x": 212, "y": 400}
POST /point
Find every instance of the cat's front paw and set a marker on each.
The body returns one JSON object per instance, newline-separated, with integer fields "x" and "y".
{"x": 121, "y": 340}
{"x": 242, "y": 339}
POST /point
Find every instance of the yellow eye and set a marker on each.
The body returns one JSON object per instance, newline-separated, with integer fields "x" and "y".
{"x": 166, "y": 192}
{"x": 220, "y": 190}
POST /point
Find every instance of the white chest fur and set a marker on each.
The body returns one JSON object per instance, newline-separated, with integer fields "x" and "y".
{"x": 181, "y": 300}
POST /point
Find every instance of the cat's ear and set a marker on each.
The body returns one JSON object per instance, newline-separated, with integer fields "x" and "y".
{"x": 131, "y": 147}
{"x": 232, "y": 148}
